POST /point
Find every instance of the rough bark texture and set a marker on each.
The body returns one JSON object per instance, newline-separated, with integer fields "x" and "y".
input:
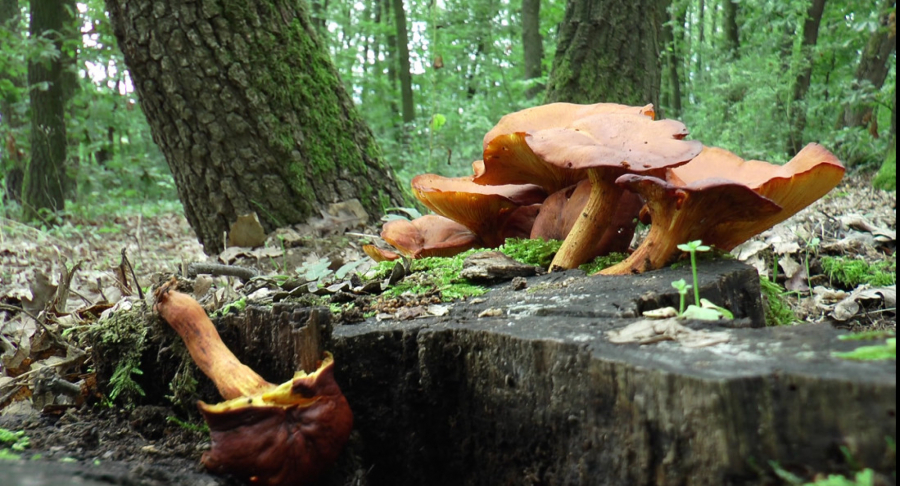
{"x": 532, "y": 44}
{"x": 405, "y": 76}
{"x": 873, "y": 68}
{"x": 249, "y": 111}
{"x": 804, "y": 76}
{"x": 44, "y": 185}
{"x": 608, "y": 50}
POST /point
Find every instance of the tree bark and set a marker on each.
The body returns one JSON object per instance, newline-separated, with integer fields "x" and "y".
{"x": 608, "y": 50}
{"x": 406, "y": 93}
{"x": 532, "y": 44}
{"x": 250, "y": 113}
{"x": 44, "y": 186}
{"x": 804, "y": 77}
{"x": 872, "y": 69}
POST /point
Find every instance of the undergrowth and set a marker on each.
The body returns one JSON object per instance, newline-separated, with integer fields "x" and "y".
{"x": 778, "y": 311}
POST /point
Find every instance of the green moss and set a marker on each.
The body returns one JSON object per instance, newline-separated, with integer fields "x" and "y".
{"x": 536, "y": 251}
{"x": 602, "y": 262}
{"x": 436, "y": 274}
{"x": 880, "y": 352}
{"x": 854, "y": 272}
{"x": 867, "y": 335}
{"x": 886, "y": 178}
{"x": 778, "y": 311}
{"x": 123, "y": 338}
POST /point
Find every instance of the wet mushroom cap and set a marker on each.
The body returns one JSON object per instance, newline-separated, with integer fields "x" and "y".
{"x": 509, "y": 160}
{"x": 484, "y": 210}
{"x": 286, "y": 436}
{"x": 811, "y": 174}
{"x": 428, "y": 236}
{"x": 627, "y": 143}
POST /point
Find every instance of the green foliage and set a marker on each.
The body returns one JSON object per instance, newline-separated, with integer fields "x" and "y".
{"x": 16, "y": 441}
{"x": 888, "y": 350}
{"x": 854, "y": 272}
{"x": 863, "y": 478}
{"x": 537, "y": 252}
{"x": 202, "y": 428}
{"x": 123, "y": 384}
{"x": 867, "y": 335}
{"x": 778, "y": 311}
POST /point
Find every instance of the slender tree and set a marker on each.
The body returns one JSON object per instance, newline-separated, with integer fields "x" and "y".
{"x": 44, "y": 184}
{"x": 532, "y": 44}
{"x": 804, "y": 76}
{"x": 732, "y": 32}
{"x": 404, "y": 74}
{"x": 608, "y": 50}
{"x": 246, "y": 106}
{"x": 872, "y": 69}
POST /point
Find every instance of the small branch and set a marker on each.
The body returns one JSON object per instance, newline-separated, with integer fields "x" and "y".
{"x": 242, "y": 273}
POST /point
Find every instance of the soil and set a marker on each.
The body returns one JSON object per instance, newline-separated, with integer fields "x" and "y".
{"x": 96, "y": 443}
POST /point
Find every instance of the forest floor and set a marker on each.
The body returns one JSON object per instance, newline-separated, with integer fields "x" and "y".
{"x": 50, "y": 408}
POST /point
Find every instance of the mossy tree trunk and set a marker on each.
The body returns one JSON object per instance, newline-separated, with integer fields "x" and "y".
{"x": 532, "y": 44}
{"x": 608, "y": 50}
{"x": 246, "y": 105}
{"x": 44, "y": 185}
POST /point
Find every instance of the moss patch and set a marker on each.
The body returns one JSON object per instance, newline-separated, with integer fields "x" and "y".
{"x": 778, "y": 311}
{"x": 854, "y": 272}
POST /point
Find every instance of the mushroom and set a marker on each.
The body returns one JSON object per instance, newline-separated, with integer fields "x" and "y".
{"x": 508, "y": 159}
{"x": 493, "y": 213}
{"x": 724, "y": 200}
{"x": 606, "y": 147}
{"x": 428, "y": 236}
{"x": 274, "y": 435}
{"x": 380, "y": 254}
{"x": 561, "y": 209}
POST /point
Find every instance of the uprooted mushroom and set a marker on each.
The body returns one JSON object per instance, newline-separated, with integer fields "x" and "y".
{"x": 267, "y": 434}
{"x": 724, "y": 200}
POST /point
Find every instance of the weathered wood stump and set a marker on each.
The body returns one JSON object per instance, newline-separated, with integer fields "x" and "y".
{"x": 538, "y": 395}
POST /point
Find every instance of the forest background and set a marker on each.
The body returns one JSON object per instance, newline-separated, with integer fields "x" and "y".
{"x": 430, "y": 78}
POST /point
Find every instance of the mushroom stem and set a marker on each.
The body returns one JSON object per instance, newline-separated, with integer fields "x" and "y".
{"x": 232, "y": 378}
{"x": 592, "y": 222}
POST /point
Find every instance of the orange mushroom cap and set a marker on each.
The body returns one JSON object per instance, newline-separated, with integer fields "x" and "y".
{"x": 509, "y": 160}
{"x": 686, "y": 213}
{"x": 811, "y": 174}
{"x": 725, "y": 200}
{"x": 485, "y": 210}
{"x": 380, "y": 254}
{"x": 428, "y": 236}
{"x": 562, "y": 208}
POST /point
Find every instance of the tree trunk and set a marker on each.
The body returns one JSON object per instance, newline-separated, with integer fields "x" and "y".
{"x": 701, "y": 28}
{"x": 671, "y": 91}
{"x": 732, "y": 33}
{"x": 249, "y": 111}
{"x": 44, "y": 186}
{"x": 608, "y": 50}
{"x": 872, "y": 70}
{"x": 406, "y": 93}
{"x": 532, "y": 45}
{"x": 804, "y": 76}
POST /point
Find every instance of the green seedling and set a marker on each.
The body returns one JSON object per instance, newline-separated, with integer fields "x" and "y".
{"x": 693, "y": 247}
{"x": 682, "y": 287}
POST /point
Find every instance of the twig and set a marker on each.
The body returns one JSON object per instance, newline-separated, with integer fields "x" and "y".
{"x": 242, "y": 273}
{"x": 133, "y": 276}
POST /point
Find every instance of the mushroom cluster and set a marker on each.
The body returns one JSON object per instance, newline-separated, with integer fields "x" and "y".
{"x": 586, "y": 173}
